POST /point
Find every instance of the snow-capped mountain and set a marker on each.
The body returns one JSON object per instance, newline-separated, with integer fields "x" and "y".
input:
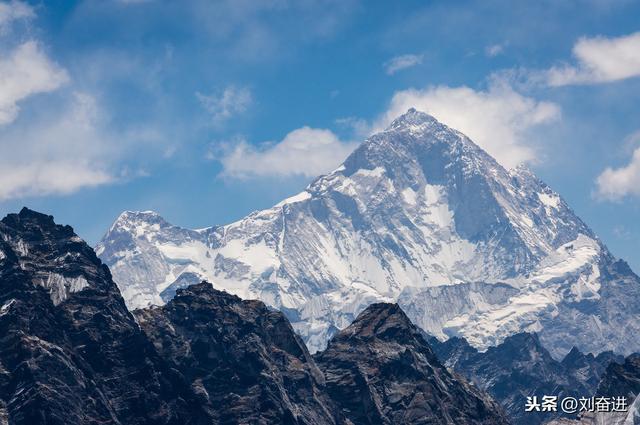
{"x": 417, "y": 214}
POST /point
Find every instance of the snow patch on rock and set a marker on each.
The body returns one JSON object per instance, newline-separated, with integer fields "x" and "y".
{"x": 61, "y": 286}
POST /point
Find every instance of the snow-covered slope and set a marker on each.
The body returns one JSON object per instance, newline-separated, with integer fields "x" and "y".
{"x": 418, "y": 214}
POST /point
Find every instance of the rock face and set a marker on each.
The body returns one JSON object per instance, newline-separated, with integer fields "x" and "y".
{"x": 520, "y": 367}
{"x": 624, "y": 380}
{"x": 243, "y": 360}
{"x": 587, "y": 368}
{"x": 70, "y": 351}
{"x": 418, "y": 215}
{"x": 381, "y": 371}
{"x": 621, "y": 379}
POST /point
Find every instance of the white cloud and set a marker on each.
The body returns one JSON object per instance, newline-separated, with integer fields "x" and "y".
{"x": 69, "y": 149}
{"x": 232, "y": 101}
{"x": 52, "y": 148}
{"x": 494, "y": 50}
{"x": 497, "y": 119}
{"x": 24, "y": 72}
{"x": 399, "y": 63}
{"x": 45, "y": 178}
{"x": 304, "y": 152}
{"x": 57, "y": 155}
{"x": 616, "y": 183}
{"x": 599, "y": 60}
{"x": 359, "y": 127}
{"x": 41, "y": 157}
{"x": 14, "y": 11}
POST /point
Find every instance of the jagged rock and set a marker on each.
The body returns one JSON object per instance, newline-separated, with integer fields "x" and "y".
{"x": 70, "y": 351}
{"x": 381, "y": 371}
{"x": 244, "y": 360}
{"x": 587, "y": 368}
{"x": 521, "y": 367}
{"x": 621, "y": 379}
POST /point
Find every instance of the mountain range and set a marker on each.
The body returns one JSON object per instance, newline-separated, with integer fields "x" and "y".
{"x": 417, "y": 215}
{"x": 71, "y": 353}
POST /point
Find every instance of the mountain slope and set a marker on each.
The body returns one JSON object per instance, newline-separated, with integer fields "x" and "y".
{"x": 70, "y": 351}
{"x": 520, "y": 367}
{"x": 245, "y": 361}
{"x": 621, "y": 379}
{"x": 381, "y": 371}
{"x": 420, "y": 215}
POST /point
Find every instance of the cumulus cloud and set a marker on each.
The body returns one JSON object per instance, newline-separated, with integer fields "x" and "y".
{"x": 42, "y": 156}
{"x": 26, "y": 71}
{"x": 305, "y": 152}
{"x": 496, "y": 119}
{"x": 599, "y": 60}
{"x": 616, "y": 183}
{"x": 231, "y": 101}
{"x": 57, "y": 155}
{"x": 399, "y": 63}
{"x": 14, "y": 11}
{"x": 46, "y": 178}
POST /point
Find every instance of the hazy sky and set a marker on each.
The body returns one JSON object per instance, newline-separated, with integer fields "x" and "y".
{"x": 205, "y": 111}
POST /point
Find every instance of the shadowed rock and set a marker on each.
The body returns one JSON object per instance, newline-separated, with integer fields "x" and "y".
{"x": 380, "y": 370}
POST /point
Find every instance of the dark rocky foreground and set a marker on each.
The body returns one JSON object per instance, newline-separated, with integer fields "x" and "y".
{"x": 248, "y": 365}
{"x": 521, "y": 367}
{"x": 380, "y": 370}
{"x": 71, "y": 353}
{"x": 243, "y": 360}
{"x": 620, "y": 379}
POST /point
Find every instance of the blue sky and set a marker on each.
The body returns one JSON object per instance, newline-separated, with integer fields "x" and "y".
{"x": 205, "y": 111}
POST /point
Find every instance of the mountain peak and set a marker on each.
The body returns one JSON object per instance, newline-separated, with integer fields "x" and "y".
{"x": 205, "y": 291}
{"x": 132, "y": 220}
{"x": 381, "y": 356}
{"x": 27, "y": 215}
{"x": 147, "y": 216}
{"x": 417, "y": 214}
{"x": 26, "y": 212}
{"x": 29, "y": 226}
{"x": 413, "y": 116}
{"x": 381, "y": 321}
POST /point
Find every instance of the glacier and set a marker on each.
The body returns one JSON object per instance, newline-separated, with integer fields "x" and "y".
{"x": 420, "y": 215}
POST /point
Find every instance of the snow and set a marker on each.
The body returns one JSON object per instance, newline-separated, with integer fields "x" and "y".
{"x": 302, "y": 196}
{"x": 550, "y": 200}
{"x": 485, "y": 327}
{"x": 587, "y": 285}
{"x": 191, "y": 251}
{"x": 568, "y": 258}
{"x": 61, "y": 286}
{"x": 259, "y": 255}
{"x": 22, "y": 248}
{"x": 376, "y": 172}
{"x": 409, "y": 196}
{"x": 6, "y": 306}
{"x": 633, "y": 415}
{"x": 2, "y": 255}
